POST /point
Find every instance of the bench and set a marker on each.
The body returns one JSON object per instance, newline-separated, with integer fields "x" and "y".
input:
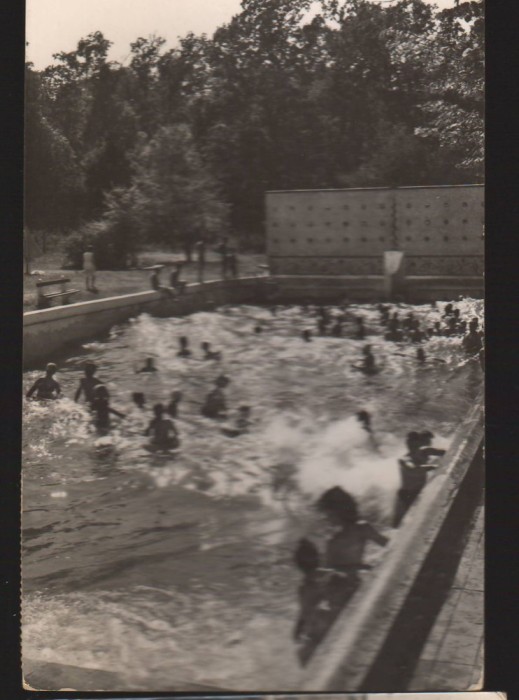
{"x": 45, "y": 298}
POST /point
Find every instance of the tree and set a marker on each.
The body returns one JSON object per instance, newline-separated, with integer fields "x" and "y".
{"x": 54, "y": 185}
{"x": 173, "y": 198}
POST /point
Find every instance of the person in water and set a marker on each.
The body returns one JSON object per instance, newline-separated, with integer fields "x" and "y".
{"x": 149, "y": 366}
{"x": 360, "y": 330}
{"x": 210, "y": 354}
{"x": 172, "y": 407}
{"x": 258, "y": 329}
{"x": 337, "y": 328}
{"x": 421, "y": 356}
{"x": 472, "y": 343}
{"x": 447, "y": 311}
{"x": 416, "y": 335}
{"x": 102, "y": 409}
{"x": 306, "y": 335}
{"x": 46, "y": 387}
{"x": 345, "y": 549}
{"x": 88, "y": 383}
{"x": 310, "y": 593}
{"x": 139, "y": 399}
{"x": 164, "y": 435}
{"x": 414, "y": 468}
{"x": 215, "y": 405}
{"x": 184, "y": 347}
{"x": 243, "y": 423}
{"x": 368, "y": 365}
{"x": 393, "y": 329}
{"x": 322, "y": 325}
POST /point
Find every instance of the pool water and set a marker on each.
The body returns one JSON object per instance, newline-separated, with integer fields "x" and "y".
{"x": 177, "y": 569}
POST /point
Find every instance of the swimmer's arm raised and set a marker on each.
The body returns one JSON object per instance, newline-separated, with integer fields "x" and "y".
{"x": 32, "y": 389}
{"x": 376, "y": 536}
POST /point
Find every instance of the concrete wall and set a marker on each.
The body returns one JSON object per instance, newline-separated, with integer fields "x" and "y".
{"x": 51, "y": 332}
{"x": 352, "y": 648}
{"x": 345, "y": 232}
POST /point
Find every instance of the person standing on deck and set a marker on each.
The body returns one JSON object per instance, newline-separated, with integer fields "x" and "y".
{"x": 200, "y": 253}
{"x": 223, "y": 249}
{"x": 89, "y": 269}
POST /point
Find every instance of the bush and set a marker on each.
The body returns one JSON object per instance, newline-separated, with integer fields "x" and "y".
{"x": 113, "y": 249}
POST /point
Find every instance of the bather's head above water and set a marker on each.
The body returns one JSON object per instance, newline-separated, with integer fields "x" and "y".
{"x": 338, "y": 506}
{"x": 51, "y": 369}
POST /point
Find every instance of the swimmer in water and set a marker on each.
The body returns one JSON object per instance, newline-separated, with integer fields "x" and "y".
{"x": 88, "y": 383}
{"x": 393, "y": 329}
{"x": 368, "y": 365}
{"x": 364, "y": 419}
{"x": 310, "y": 592}
{"x": 258, "y": 329}
{"x": 215, "y": 405}
{"x": 210, "y": 354}
{"x": 345, "y": 549}
{"x": 101, "y": 408}
{"x": 447, "y": 311}
{"x": 149, "y": 366}
{"x": 322, "y": 325}
{"x": 172, "y": 407}
{"x": 163, "y": 432}
{"x": 414, "y": 468}
{"x": 184, "y": 347}
{"x": 420, "y": 356}
{"x": 337, "y": 328}
{"x": 139, "y": 399}
{"x": 46, "y": 387}
{"x": 306, "y": 336}
{"x": 472, "y": 343}
{"x": 242, "y": 423}
{"x": 416, "y": 335}
{"x": 360, "y": 331}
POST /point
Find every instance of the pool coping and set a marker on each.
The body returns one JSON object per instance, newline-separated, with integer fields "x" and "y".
{"x": 349, "y": 650}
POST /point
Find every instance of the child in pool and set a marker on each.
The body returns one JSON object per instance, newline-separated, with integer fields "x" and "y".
{"x": 360, "y": 331}
{"x": 345, "y": 549}
{"x": 149, "y": 366}
{"x": 472, "y": 341}
{"x": 101, "y": 408}
{"x": 215, "y": 405}
{"x": 139, "y": 399}
{"x": 46, "y": 387}
{"x": 413, "y": 471}
{"x": 163, "y": 432}
{"x": 242, "y": 423}
{"x": 172, "y": 407}
{"x": 88, "y": 383}
{"x": 310, "y": 592}
{"x": 337, "y": 328}
{"x": 210, "y": 354}
{"x": 184, "y": 347}
{"x": 368, "y": 365}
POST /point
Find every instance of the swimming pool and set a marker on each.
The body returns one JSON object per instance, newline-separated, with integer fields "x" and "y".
{"x": 179, "y": 570}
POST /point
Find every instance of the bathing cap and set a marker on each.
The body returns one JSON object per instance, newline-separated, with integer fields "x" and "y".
{"x": 51, "y": 367}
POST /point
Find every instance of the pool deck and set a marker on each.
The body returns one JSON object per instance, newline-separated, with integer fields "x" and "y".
{"x": 452, "y": 656}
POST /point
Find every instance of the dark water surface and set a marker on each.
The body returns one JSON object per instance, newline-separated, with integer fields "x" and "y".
{"x": 172, "y": 569}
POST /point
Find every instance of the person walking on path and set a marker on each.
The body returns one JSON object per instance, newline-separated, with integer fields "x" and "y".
{"x": 200, "y": 251}
{"x": 223, "y": 249}
{"x": 89, "y": 269}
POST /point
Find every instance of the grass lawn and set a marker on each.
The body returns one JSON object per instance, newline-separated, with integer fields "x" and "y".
{"x": 115, "y": 282}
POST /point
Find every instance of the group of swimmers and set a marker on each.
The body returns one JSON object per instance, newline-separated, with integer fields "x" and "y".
{"x": 330, "y": 581}
{"x": 161, "y": 430}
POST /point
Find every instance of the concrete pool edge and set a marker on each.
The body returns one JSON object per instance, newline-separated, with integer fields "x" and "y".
{"x": 350, "y": 649}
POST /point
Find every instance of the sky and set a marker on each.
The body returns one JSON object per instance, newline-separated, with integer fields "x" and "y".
{"x": 57, "y": 25}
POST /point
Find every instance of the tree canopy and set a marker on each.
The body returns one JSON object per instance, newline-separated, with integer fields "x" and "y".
{"x": 288, "y": 94}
